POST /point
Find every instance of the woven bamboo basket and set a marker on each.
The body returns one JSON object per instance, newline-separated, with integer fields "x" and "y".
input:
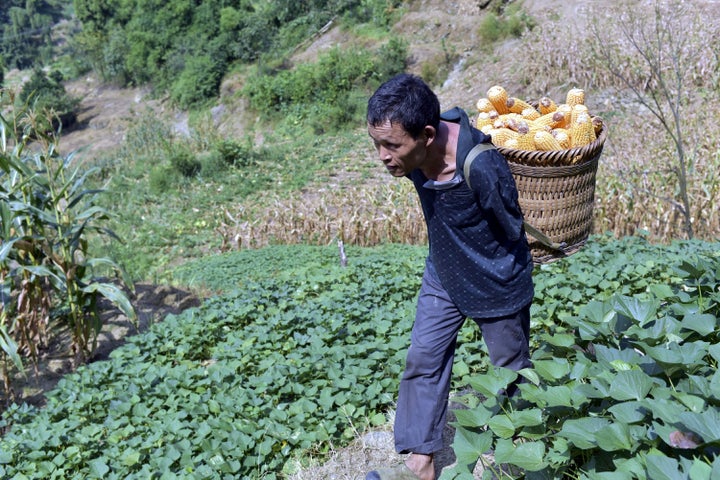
{"x": 556, "y": 191}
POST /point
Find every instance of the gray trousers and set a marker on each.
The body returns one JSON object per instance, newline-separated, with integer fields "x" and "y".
{"x": 425, "y": 385}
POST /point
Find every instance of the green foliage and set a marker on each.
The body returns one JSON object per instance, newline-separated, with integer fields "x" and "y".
{"x": 508, "y": 21}
{"x": 166, "y": 219}
{"x": 48, "y": 214}
{"x": 186, "y": 49}
{"x": 184, "y": 161}
{"x": 624, "y": 377}
{"x": 323, "y": 94}
{"x": 25, "y": 31}
{"x": 299, "y": 353}
{"x": 47, "y": 96}
{"x": 297, "y": 359}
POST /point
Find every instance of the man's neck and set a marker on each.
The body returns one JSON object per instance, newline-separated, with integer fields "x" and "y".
{"x": 441, "y": 153}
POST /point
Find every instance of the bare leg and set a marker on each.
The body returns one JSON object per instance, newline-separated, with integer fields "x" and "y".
{"x": 422, "y": 465}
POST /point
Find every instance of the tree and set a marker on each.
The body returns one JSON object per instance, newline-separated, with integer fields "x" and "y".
{"x": 655, "y": 58}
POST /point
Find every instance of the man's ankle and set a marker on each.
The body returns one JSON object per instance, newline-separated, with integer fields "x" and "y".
{"x": 422, "y": 465}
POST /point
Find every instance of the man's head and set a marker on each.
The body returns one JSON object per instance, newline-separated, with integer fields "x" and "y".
{"x": 403, "y": 119}
{"x": 405, "y": 100}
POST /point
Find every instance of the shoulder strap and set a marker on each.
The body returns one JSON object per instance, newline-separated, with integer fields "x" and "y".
{"x": 539, "y": 236}
{"x": 474, "y": 152}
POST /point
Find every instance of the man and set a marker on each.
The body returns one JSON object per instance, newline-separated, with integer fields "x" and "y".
{"x": 479, "y": 263}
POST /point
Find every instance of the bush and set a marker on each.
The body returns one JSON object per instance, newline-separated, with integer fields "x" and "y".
{"x": 47, "y": 96}
{"x": 199, "y": 80}
{"x": 184, "y": 162}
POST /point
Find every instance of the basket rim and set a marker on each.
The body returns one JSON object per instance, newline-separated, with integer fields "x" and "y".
{"x": 586, "y": 153}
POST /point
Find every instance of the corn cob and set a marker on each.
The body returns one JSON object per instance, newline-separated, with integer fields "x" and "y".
{"x": 484, "y": 105}
{"x": 577, "y": 110}
{"x": 545, "y": 141}
{"x": 510, "y": 143}
{"x": 500, "y": 136}
{"x": 530, "y": 114}
{"x": 516, "y": 105}
{"x": 562, "y": 136}
{"x": 575, "y": 96}
{"x": 507, "y": 120}
{"x": 565, "y": 120}
{"x": 546, "y": 105}
{"x": 552, "y": 120}
{"x": 484, "y": 118}
{"x": 498, "y": 97}
{"x": 525, "y": 141}
{"x": 582, "y": 131}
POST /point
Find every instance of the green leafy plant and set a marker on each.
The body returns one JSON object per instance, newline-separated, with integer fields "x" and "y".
{"x": 48, "y": 214}
{"x": 292, "y": 357}
{"x": 48, "y": 98}
{"x": 624, "y": 384}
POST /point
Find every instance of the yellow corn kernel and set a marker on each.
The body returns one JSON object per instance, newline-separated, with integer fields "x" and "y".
{"x": 582, "y": 131}
{"x": 530, "y": 114}
{"x": 546, "y": 105}
{"x": 575, "y": 96}
{"x": 486, "y": 129}
{"x": 577, "y": 110}
{"x": 482, "y": 119}
{"x": 545, "y": 141}
{"x": 484, "y": 105}
{"x": 498, "y": 97}
{"x": 516, "y": 105}
{"x": 526, "y": 141}
{"x": 511, "y": 143}
{"x": 562, "y": 136}
{"x": 500, "y": 136}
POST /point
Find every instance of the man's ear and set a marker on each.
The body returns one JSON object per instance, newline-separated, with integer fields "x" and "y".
{"x": 429, "y": 132}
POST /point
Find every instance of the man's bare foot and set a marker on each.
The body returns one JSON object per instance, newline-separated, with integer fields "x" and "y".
{"x": 422, "y": 465}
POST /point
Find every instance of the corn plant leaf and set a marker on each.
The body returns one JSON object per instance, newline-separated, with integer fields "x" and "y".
{"x": 9, "y": 347}
{"x": 527, "y": 455}
{"x": 114, "y": 295}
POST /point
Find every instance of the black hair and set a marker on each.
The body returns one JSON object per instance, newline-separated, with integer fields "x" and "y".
{"x": 405, "y": 100}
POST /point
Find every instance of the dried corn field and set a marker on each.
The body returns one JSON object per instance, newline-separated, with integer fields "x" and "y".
{"x": 638, "y": 183}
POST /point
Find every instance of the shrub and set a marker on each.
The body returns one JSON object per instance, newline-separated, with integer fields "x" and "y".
{"x": 184, "y": 161}
{"x": 47, "y": 96}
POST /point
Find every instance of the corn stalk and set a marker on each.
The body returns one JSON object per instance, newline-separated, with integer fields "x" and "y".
{"x": 47, "y": 216}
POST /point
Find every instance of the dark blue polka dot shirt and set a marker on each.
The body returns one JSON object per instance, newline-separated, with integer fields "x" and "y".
{"x": 478, "y": 249}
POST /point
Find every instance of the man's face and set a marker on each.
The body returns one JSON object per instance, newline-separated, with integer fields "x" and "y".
{"x": 399, "y": 152}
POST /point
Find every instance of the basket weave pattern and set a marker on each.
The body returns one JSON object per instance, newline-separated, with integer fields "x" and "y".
{"x": 556, "y": 191}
